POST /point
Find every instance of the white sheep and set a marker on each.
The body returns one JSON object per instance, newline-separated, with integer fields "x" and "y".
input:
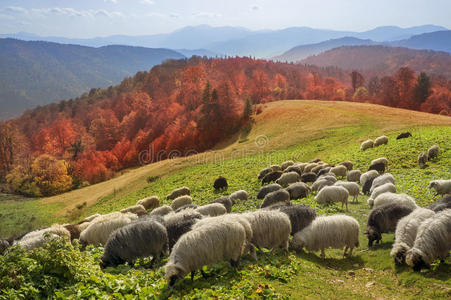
{"x": 36, "y": 238}
{"x": 382, "y": 140}
{"x": 309, "y": 167}
{"x": 287, "y": 164}
{"x": 381, "y": 180}
{"x": 276, "y": 168}
{"x": 328, "y": 176}
{"x": 288, "y": 178}
{"x": 271, "y": 228}
{"x": 352, "y": 187}
{"x": 161, "y": 211}
{"x": 320, "y": 183}
{"x": 339, "y": 171}
{"x": 388, "y": 198}
{"x": 348, "y": 164}
{"x": 275, "y": 197}
{"x": 331, "y": 194}
{"x": 368, "y": 176}
{"x": 441, "y": 187}
{"x": 366, "y": 145}
{"x": 433, "y": 152}
{"x": 300, "y": 165}
{"x": 336, "y": 231}
{"x": 180, "y": 201}
{"x": 178, "y": 192}
{"x": 238, "y": 195}
{"x": 433, "y": 241}
{"x": 205, "y": 246}
{"x": 90, "y": 218}
{"x": 406, "y": 232}
{"x": 388, "y": 187}
{"x": 354, "y": 175}
{"x": 383, "y": 160}
{"x": 212, "y": 209}
{"x": 422, "y": 160}
{"x": 100, "y": 228}
{"x": 149, "y": 202}
{"x": 135, "y": 209}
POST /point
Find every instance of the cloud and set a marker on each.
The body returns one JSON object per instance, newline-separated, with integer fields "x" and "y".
{"x": 255, "y": 8}
{"x": 148, "y": 2}
{"x": 15, "y": 10}
{"x": 112, "y": 1}
{"x": 60, "y": 11}
{"x": 207, "y": 15}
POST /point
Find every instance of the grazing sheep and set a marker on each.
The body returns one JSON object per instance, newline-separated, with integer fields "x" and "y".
{"x": 220, "y": 183}
{"x": 212, "y": 209}
{"x": 382, "y": 140}
{"x": 36, "y": 238}
{"x": 324, "y": 171}
{"x": 433, "y": 241}
{"x": 234, "y": 218}
{"x": 422, "y": 160}
{"x": 149, "y": 202}
{"x": 180, "y": 201}
{"x": 135, "y": 240}
{"x": 380, "y": 167}
{"x": 277, "y": 205}
{"x": 271, "y": 228}
{"x": 100, "y": 228}
{"x": 83, "y": 226}
{"x": 384, "y": 219}
{"x": 339, "y": 171}
{"x": 74, "y": 230}
{"x": 329, "y": 176}
{"x": 274, "y": 197}
{"x": 381, "y": 180}
{"x": 161, "y": 211}
{"x": 288, "y": 178}
{"x": 352, "y": 187}
{"x": 388, "y": 198}
{"x": 354, "y": 176}
{"x": 348, "y": 164}
{"x": 276, "y": 168}
{"x": 264, "y": 172}
{"x": 4, "y": 244}
{"x": 403, "y": 135}
{"x": 320, "y": 183}
{"x": 90, "y": 218}
{"x": 433, "y": 152}
{"x": 273, "y": 176}
{"x": 268, "y": 189}
{"x": 385, "y": 188}
{"x": 316, "y": 160}
{"x": 205, "y": 246}
{"x": 224, "y": 200}
{"x": 331, "y": 194}
{"x": 309, "y": 167}
{"x": 135, "y": 209}
{"x": 441, "y": 204}
{"x": 177, "y": 224}
{"x": 179, "y": 192}
{"x": 186, "y": 206}
{"x": 293, "y": 169}
{"x": 298, "y": 190}
{"x": 287, "y": 164}
{"x": 300, "y": 165}
{"x": 441, "y": 187}
{"x": 368, "y": 176}
{"x": 238, "y": 195}
{"x": 308, "y": 177}
{"x": 300, "y": 216}
{"x": 406, "y": 232}
{"x": 324, "y": 232}
{"x": 366, "y": 145}
{"x": 383, "y": 160}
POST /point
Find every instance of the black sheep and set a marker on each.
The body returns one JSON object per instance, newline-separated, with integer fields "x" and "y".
{"x": 441, "y": 204}
{"x": 178, "y": 227}
{"x": 309, "y": 177}
{"x": 220, "y": 183}
{"x": 273, "y": 176}
{"x": 293, "y": 169}
{"x": 380, "y": 167}
{"x": 300, "y": 216}
{"x": 403, "y": 135}
{"x": 367, "y": 186}
{"x": 268, "y": 189}
{"x": 384, "y": 219}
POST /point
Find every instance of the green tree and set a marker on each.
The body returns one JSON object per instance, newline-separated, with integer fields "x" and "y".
{"x": 421, "y": 90}
{"x": 247, "y": 110}
{"x": 357, "y": 80}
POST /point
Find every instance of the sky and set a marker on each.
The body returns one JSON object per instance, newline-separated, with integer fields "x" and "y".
{"x": 91, "y": 18}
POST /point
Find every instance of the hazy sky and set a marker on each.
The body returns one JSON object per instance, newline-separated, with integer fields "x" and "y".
{"x": 89, "y": 18}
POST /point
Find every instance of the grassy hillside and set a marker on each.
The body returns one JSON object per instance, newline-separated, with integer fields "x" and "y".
{"x": 298, "y": 130}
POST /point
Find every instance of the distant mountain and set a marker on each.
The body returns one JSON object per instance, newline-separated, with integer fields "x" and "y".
{"x": 383, "y": 59}
{"x": 198, "y": 52}
{"x": 237, "y": 40}
{"x": 393, "y": 33}
{"x": 38, "y": 73}
{"x": 300, "y": 52}
{"x": 438, "y": 41}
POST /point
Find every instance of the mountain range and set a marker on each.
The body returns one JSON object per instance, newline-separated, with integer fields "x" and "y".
{"x": 36, "y": 73}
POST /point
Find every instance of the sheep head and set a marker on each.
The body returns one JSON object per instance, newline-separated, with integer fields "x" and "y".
{"x": 373, "y": 235}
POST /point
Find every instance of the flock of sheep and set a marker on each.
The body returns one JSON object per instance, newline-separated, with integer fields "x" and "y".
{"x": 194, "y": 236}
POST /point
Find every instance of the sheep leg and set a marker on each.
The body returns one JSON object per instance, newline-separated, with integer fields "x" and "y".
{"x": 192, "y": 275}
{"x": 344, "y": 253}
{"x": 350, "y": 251}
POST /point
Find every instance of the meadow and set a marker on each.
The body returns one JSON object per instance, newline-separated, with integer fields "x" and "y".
{"x": 284, "y": 131}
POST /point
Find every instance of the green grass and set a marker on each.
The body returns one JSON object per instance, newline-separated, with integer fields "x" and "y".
{"x": 370, "y": 273}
